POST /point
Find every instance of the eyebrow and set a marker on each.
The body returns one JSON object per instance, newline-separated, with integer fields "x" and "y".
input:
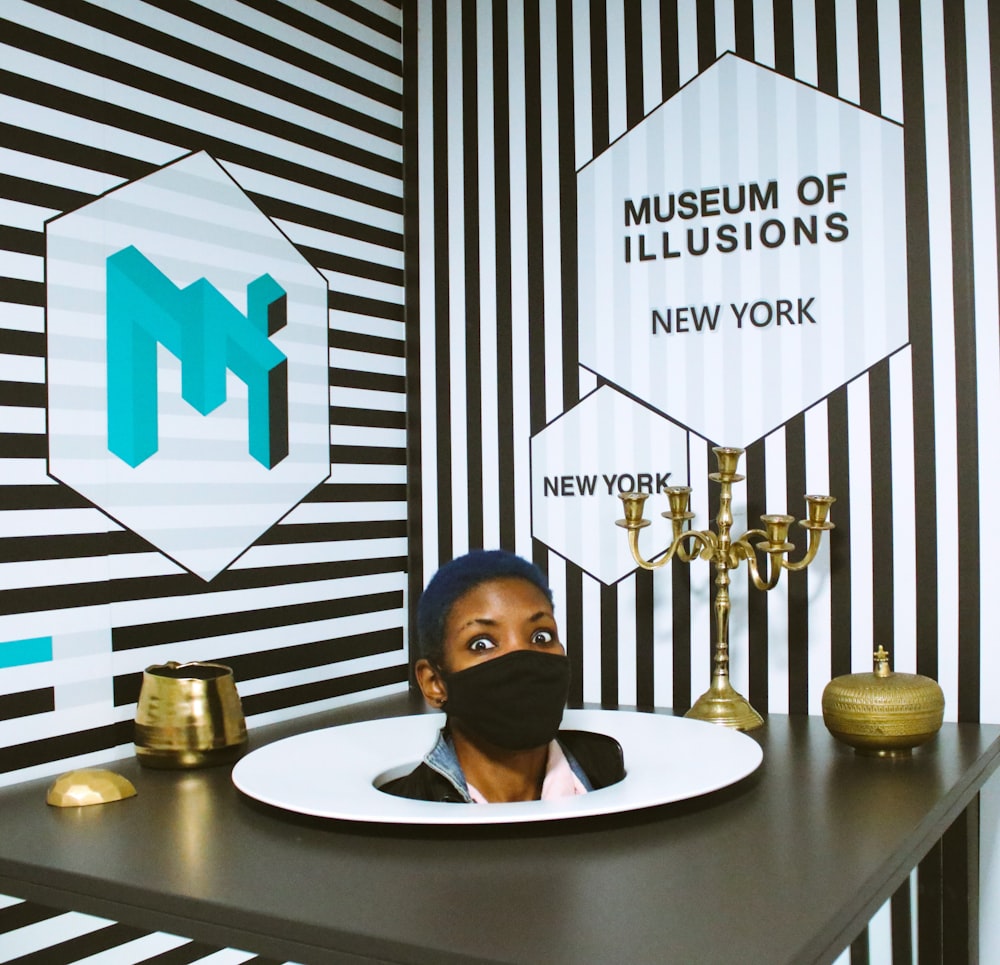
{"x": 490, "y": 622}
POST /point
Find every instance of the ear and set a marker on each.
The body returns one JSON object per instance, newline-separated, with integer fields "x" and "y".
{"x": 431, "y": 684}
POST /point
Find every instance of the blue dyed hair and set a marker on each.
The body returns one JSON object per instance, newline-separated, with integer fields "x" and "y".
{"x": 454, "y": 580}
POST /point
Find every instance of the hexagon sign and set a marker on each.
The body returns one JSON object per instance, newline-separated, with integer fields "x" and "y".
{"x": 187, "y": 363}
{"x": 742, "y": 251}
{"x": 605, "y": 445}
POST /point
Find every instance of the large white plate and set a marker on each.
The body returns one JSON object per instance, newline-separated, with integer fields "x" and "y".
{"x": 333, "y": 773}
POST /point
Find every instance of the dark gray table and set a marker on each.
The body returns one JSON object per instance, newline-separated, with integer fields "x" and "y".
{"x": 787, "y": 866}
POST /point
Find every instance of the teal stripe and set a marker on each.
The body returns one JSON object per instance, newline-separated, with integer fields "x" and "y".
{"x": 17, "y": 653}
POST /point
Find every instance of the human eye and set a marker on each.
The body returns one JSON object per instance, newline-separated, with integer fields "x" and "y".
{"x": 481, "y": 644}
{"x": 543, "y": 638}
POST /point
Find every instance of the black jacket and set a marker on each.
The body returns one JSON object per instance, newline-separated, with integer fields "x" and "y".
{"x": 598, "y": 755}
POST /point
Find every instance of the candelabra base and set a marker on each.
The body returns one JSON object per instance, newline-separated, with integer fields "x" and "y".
{"x": 720, "y": 704}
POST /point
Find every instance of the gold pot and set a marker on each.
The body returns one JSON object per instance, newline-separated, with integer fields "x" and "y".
{"x": 883, "y": 714}
{"x": 189, "y": 715}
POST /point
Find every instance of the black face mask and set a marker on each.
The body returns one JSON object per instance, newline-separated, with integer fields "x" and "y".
{"x": 515, "y": 702}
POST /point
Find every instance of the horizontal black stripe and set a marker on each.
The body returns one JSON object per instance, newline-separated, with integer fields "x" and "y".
{"x": 367, "y": 456}
{"x": 330, "y": 35}
{"x": 22, "y": 445}
{"x": 289, "y": 53}
{"x": 376, "y": 418}
{"x": 325, "y": 221}
{"x": 43, "y": 497}
{"x": 380, "y": 381}
{"x": 359, "y": 305}
{"x": 15, "y": 342}
{"x": 27, "y": 703}
{"x": 354, "y": 342}
{"x": 266, "y": 618}
{"x": 44, "y": 195}
{"x": 80, "y": 947}
{"x": 270, "y": 663}
{"x": 25, "y": 913}
{"x": 71, "y": 546}
{"x": 91, "y": 108}
{"x": 48, "y": 749}
{"x": 354, "y": 267}
{"x": 37, "y": 598}
{"x": 334, "y": 492}
{"x": 28, "y": 394}
{"x": 20, "y": 291}
{"x": 135, "y": 76}
{"x": 22, "y": 240}
{"x": 324, "y": 690}
{"x": 289, "y": 533}
{"x": 85, "y": 155}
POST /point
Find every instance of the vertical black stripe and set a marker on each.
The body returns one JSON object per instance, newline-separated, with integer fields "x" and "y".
{"x": 869, "y": 74}
{"x": 473, "y": 292}
{"x": 784, "y": 38}
{"x": 670, "y": 60}
{"x": 756, "y": 472}
{"x": 567, "y": 207}
{"x": 902, "y": 926}
{"x": 929, "y": 907}
{"x": 411, "y": 230}
{"x": 634, "y": 108}
{"x": 921, "y": 338}
{"x": 960, "y": 888}
{"x": 680, "y": 589}
{"x": 826, "y": 46}
{"x": 798, "y": 583}
{"x": 599, "y": 121}
{"x": 743, "y": 15}
{"x": 860, "y": 954}
{"x": 645, "y": 697}
{"x": 573, "y": 632}
{"x": 705, "y": 18}
{"x": 883, "y": 560}
{"x": 442, "y": 303}
{"x": 840, "y": 538}
{"x": 504, "y": 308}
{"x": 967, "y": 421}
{"x": 533, "y": 201}
{"x": 609, "y": 647}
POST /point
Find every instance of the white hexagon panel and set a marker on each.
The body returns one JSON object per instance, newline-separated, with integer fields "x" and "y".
{"x": 187, "y": 363}
{"x": 742, "y": 251}
{"x": 605, "y": 445}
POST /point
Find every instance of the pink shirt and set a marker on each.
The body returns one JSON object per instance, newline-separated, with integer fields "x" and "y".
{"x": 559, "y": 780}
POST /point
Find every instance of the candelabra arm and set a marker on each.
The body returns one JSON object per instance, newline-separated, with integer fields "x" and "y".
{"x": 815, "y": 538}
{"x": 676, "y": 548}
{"x": 744, "y": 549}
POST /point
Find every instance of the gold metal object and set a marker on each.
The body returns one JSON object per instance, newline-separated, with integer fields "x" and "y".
{"x": 80, "y": 788}
{"x": 721, "y": 704}
{"x": 189, "y": 715}
{"x": 883, "y": 714}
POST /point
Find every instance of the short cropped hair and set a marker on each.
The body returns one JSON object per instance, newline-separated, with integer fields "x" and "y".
{"x": 454, "y": 580}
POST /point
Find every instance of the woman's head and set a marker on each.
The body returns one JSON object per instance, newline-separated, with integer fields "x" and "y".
{"x": 456, "y": 579}
{"x": 490, "y": 651}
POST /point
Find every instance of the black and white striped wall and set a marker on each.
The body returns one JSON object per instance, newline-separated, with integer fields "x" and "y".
{"x": 514, "y": 97}
{"x": 302, "y": 104}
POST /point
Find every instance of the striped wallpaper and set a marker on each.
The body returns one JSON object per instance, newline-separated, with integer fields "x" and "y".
{"x": 514, "y": 97}
{"x": 302, "y": 104}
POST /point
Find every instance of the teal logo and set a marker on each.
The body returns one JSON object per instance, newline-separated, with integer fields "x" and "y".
{"x": 210, "y": 336}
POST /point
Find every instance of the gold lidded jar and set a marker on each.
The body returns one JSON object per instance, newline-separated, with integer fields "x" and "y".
{"x": 189, "y": 715}
{"x": 882, "y": 713}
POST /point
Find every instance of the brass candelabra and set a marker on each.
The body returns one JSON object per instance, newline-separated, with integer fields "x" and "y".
{"x": 721, "y": 704}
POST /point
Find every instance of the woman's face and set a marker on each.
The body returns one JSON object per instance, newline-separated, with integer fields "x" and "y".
{"x": 496, "y": 618}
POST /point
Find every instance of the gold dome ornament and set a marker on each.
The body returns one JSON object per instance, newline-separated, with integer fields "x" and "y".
{"x": 883, "y": 714}
{"x": 88, "y": 786}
